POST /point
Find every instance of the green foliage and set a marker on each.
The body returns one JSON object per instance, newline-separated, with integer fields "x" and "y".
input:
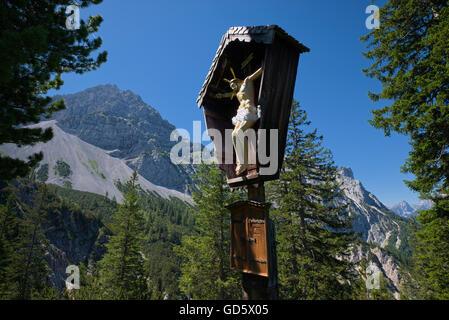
{"x": 164, "y": 269}
{"x": 42, "y": 173}
{"x": 35, "y": 49}
{"x": 428, "y": 277}
{"x": 403, "y": 253}
{"x": 90, "y": 287}
{"x": 361, "y": 292}
{"x": 383, "y": 293}
{"x": 31, "y": 270}
{"x": 409, "y": 53}
{"x": 312, "y": 228}
{"x": 122, "y": 271}
{"x": 94, "y": 166}
{"x": 56, "y": 220}
{"x": 205, "y": 269}
{"x": 62, "y": 169}
{"x": 67, "y": 184}
{"x": 166, "y": 221}
{"x": 98, "y": 205}
{"x": 8, "y": 239}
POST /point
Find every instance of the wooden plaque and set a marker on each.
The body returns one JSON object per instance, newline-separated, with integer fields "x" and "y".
{"x": 249, "y": 245}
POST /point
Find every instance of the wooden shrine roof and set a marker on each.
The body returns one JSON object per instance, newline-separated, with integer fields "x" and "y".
{"x": 260, "y": 34}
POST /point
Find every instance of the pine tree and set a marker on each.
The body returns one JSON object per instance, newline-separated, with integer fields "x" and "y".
{"x": 206, "y": 270}
{"x": 429, "y": 272}
{"x": 90, "y": 288}
{"x": 35, "y": 49}
{"x": 427, "y": 277}
{"x": 8, "y": 242}
{"x": 312, "y": 229}
{"x": 122, "y": 272}
{"x": 409, "y": 53}
{"x": 31, "y": 270}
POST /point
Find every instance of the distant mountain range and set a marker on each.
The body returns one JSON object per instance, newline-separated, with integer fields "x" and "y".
{"x": 406, "y": 210}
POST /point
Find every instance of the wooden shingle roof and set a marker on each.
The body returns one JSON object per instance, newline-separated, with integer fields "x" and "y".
{"x": 261, "y": 34}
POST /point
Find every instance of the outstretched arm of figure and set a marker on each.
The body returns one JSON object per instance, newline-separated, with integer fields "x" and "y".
{"x": 256, "y": 74}
{"x": 225, "y": 95}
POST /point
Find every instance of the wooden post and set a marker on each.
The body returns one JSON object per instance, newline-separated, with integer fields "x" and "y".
{"x": 257, "y": 287}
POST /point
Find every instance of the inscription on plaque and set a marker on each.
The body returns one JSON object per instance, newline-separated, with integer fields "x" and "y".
{"x": 249, "y": 248}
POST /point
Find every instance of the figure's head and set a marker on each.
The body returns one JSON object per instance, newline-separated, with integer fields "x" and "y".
{"x": 235, "y": 84}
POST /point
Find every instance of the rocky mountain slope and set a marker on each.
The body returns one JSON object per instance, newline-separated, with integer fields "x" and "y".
{"x": 386, "y": 263}
{"x": 131, "y": 130}
{"x": 70, "y": 162}
{"x": 385, "y": 233}
{"x": 371, "y": 218}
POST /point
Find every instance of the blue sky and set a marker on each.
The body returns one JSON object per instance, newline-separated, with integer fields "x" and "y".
{"x": 162, "y": 50}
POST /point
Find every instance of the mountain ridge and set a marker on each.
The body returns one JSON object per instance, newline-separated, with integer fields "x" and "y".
{"x": 407, "y": 210}
{"x": 385, "y": 234}
{"x": 74, "y": 163}
{"x": 372, "y": 219}
{"x": 120, "y": 122}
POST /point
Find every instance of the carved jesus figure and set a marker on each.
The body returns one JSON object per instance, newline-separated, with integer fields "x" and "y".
{"x": 247, "y": 114}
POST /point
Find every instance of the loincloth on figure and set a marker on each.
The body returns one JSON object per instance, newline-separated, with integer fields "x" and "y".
{"x": 245, "y": 114}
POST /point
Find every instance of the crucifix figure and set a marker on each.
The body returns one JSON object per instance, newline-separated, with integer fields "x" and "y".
{"x": 247, "y": 114}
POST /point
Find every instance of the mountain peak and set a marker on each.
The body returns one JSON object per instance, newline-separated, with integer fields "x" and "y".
{"x": 107, "y": 99}
{"x": 403, "y": 209}
{"x": 406, "y": 210}
{"x": 122, "y": 123}
{"x": 104, "y": 89}
{"x": 404, "y": 204}
{"x": 346, "y": 172}
{"x": 110, "y": 86}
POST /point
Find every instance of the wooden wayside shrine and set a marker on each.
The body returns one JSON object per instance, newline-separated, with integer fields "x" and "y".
{"x": 262, "y": 61}
{"x": 245, "y": 49}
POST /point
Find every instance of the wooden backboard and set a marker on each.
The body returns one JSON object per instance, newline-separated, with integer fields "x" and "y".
{"x": 246, "y": 49}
